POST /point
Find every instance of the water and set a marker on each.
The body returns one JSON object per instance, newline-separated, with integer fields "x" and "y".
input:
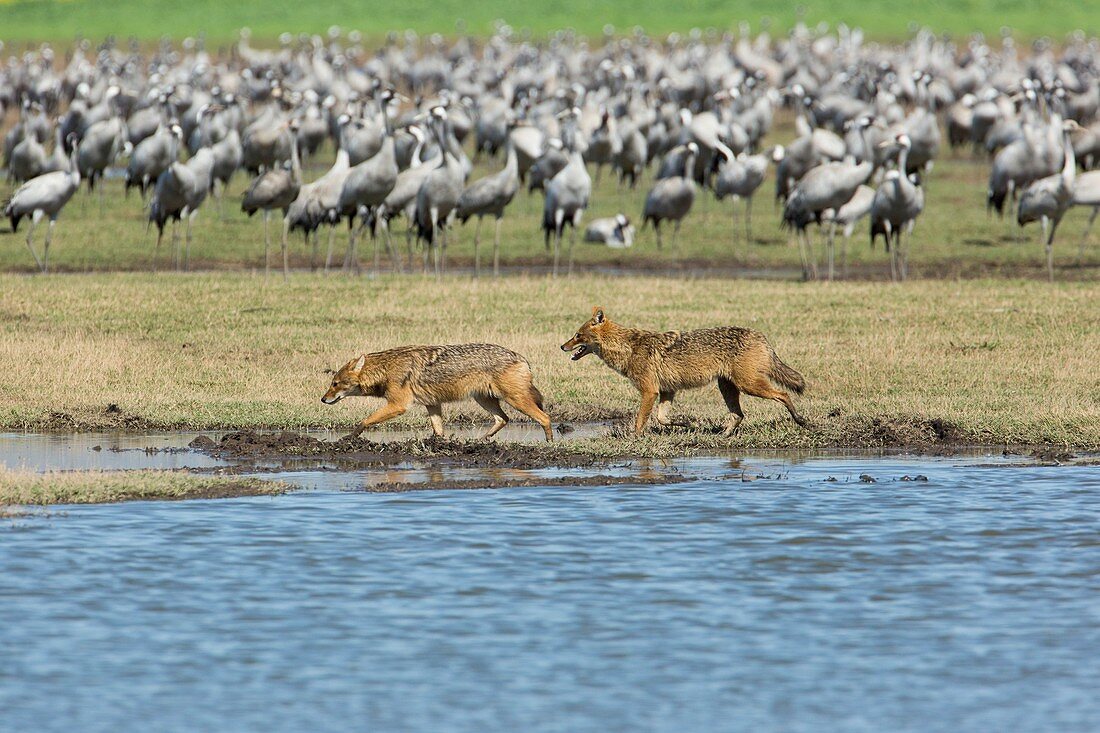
{"x": 965, "y": 603}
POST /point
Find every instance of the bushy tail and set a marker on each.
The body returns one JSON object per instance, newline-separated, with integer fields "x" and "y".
{"x": 786, "y": 377}
{"x": 537, "y": 396}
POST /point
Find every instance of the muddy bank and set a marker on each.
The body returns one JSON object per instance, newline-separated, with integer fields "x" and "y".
{"x": 605, "y": 433}
{"x": 283, "y": 447}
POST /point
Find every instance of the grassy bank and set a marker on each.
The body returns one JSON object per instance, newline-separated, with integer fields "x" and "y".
{"x": 29, "y": 20}
{"x": 990, "y": 361}
{"x": 102, "y": 487}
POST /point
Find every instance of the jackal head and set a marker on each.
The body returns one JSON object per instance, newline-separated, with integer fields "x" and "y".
{"x": 587, "y": 338}
{"x": 346, "y": 382}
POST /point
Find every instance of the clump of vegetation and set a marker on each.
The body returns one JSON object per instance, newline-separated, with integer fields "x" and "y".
{"x": 101, "y": 487}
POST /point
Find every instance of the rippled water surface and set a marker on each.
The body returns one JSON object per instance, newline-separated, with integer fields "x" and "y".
{"x": 970, "y": 602}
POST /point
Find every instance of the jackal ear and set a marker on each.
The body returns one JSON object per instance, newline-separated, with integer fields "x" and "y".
{"x": 361, "y": 363}
{"x": 597, "y": 315}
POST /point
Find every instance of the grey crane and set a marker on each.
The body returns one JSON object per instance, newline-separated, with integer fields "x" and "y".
{"x": 740, "y": 178}
{"x": 632, "y": 157}
{"x": 366, "y": 187}
{"x": 44, "y": 196}
{"x": 847, "y": 216}
{"x": 402, "y": 198}
{"x": 151, "y": 157}
{"x": 895, "y": 208}
{"x": 1047, "y": 199}
{"x": 27, "y": 159}
{"x": 1086, "y": 192}
{"x": 438, "y": 194}
{"x": 604, "y": 145}
{"x": 180, "y": 191}
{"x": 553, "y": 159}
{"x": 317, "y": 201}
{"x": 823, "y": 189}
{"x": 228, "y": 157}
{"x": 103, "y": 142}
{"x": 567, "y": 194}
{"x": 671, "y": 198}
{"x": 490, "y": 195}
{"x": 614, "y": 231}
{"x": 274, "y": 189}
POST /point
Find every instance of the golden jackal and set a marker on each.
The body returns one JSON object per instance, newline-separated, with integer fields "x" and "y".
{"x": 661, "y": 364}
{"x": 433, "y": 375}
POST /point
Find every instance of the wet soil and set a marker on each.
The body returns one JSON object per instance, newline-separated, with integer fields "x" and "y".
{"x": 283, "y": 447}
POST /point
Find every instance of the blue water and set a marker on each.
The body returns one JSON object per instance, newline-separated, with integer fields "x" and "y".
{"x": 970, "y": 602}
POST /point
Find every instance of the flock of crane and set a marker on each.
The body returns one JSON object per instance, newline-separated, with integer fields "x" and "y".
{"x": 695, "y": 109}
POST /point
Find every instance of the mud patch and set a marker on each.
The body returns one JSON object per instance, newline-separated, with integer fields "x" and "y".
{"x": 252, "y": 446}
{"x": 652, "y": 479}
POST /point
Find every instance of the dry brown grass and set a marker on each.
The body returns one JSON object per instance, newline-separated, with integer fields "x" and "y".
{"x": 101, "y": 487}
{"x": 1001, "y": 361}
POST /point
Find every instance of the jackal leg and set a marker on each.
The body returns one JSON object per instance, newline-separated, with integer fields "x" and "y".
{"x": 732, "y": 396}
{"x": 648, "y": 398}
{"x": 491, "y": 405}
{"x": 435, "y": 415}
{"x": 529, "y": 406}
{"x": 763, "y": 388}
{"x": 664, "y": 402}
{"x": 387, "y": 412}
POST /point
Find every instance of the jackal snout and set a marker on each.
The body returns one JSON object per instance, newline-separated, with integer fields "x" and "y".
{"x": 345, "y": 383}
{"x": 586, "y": 340}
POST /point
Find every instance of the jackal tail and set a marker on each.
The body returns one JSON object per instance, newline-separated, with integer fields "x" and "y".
{"x": 537, "y": 396}
{"x": 786, "y": 376}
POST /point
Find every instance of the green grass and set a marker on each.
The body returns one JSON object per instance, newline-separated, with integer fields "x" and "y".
{"x": 101, "y": 487}
{"x": 34, "y": 20}
{"x": 954, "y": 237}
{"x": 1003, "y": 361}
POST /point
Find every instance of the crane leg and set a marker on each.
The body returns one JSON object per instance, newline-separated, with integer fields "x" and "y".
{"x": 829, "y": 246}
{"x": 187, "y": 250}
{"x": 477, "y": 248}
{"x": 496, "y": 249}
{"x": 572, "y": 241}
{"x": 156, "y": 250}
{"x": 799, "y": 236}
{"x": 1050, "y": 250}
{"x": 267, "y": 243}
{"x": 46, "y": 246}
{"x": 557, "y": 250}
{"x": 30, "y": 243}
{"x": 657, "y": 232}
{"x": 676, "y": 236}
{"x": 328, "y": 255}
{"x": 316, "y": 248}
{"x": 748, "y": 219}
{"x": 286, "y": 235}
{"x": 810, "y": 256}
{"x": 101, "y": 204}
{"x": 176, "y": 243}
{"x": 1085, "y": 236}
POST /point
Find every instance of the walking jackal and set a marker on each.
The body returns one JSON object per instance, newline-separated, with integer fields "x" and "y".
{"x": 662, "y": 364}
{"x": 434, "y": 375}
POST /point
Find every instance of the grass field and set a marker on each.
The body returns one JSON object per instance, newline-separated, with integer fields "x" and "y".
{"x": 1001, "y": 360}
{"x": 101, "y": 487}
{"x": 954, "y": 237}
{"x": 34, "y": 20}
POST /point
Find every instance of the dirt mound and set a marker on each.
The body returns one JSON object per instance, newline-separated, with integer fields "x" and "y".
{"x": 250, "y": 445}
{"x": 906, "y": 431}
